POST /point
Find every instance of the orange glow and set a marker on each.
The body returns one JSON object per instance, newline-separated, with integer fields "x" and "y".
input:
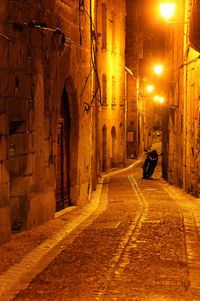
{"x": 161, "y": 99}
{"x": 156, "y": 98}
{"x": 167, "y": 10}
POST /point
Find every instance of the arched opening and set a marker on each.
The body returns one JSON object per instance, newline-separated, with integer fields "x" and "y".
{"x": 104, "y": 148}
{"x": 113, "y": 150}
{"x": 63, "y": 155}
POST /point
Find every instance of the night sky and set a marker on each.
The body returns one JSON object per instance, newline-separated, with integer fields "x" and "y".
{"x": 153, "y": 27}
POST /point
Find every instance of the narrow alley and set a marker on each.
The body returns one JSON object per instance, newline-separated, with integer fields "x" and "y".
{"x": 141, "y": 242}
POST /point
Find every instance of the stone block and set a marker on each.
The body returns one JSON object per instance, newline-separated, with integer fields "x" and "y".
{"x": 7, "y": 84}
{"x": 16, "y": 165}
{"x": 30, "y": 163}
{"x": 5, "y": 229}
{"x": 16, "y": 213}
{"x": 23, "y": 86}
{"x": 42, "y": 208}
{"x": 45, "y": 149}
{"x": 17, "y": 109}
{"x": 4, "y": 173}
{"x": 2, "y": 104}
{"x": 3, "y": 148}
{"x": 31, "y": 120}
{"x": 2, "y": 124}
{"x": 19, "y": 186}
{"x": 4, "y": 194}
{"x": 30, "y": 142}
{"x": 17, "y": 144}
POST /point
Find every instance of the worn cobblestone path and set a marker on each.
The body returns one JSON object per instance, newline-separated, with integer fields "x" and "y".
{"x": 145, "y": 245}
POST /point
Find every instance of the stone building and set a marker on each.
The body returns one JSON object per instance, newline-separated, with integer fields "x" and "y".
{"x": 61, "y": 104}
{"x": 111, "y": 67}
{"x": 134, "y": 52}
{"x": 181, "y": 122}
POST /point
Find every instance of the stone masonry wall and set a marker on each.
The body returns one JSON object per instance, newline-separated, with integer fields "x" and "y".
{"x": 40, "y": 54}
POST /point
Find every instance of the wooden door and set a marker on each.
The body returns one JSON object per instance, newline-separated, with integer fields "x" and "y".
{"x": 63, "y": 156}
{"x": 104, "y": 148}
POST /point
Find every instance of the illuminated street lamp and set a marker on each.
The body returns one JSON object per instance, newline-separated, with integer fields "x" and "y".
{"x": 158, "y": 69}
{"x": 156, "y": 98}
{"x": 149, "y": 89}
{"x": 167, "y": 10}
{"x": 161, "y": 99}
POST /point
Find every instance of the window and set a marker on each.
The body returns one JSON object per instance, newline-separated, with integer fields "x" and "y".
{"x": 195, "y": 25}
{"x": 104, "y": 26}
{"x": 113, "y": 30}
{"x": 104, "y": 89}
{"x": 113, "y": 91}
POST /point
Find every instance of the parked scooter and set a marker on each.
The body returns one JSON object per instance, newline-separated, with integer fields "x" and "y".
{"x": 150, "y": 163}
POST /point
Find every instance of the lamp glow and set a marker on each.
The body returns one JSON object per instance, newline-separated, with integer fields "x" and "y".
{"x": 161, "y": 99}
{"x": 149, "y": 89}
{"x": 167, "y": 10}
{"x": 158, "y": 69}
{"x": 156, "y": 98}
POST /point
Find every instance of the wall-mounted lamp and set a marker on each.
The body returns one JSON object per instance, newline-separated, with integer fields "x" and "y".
{"x": 159, "y": 99}
{"x": 158, "y": 69}
{"x": 149, "y": 89}
{"x": 167, "y": 10}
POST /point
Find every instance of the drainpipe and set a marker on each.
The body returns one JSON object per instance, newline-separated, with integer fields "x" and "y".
{"x": 186, "y": 51}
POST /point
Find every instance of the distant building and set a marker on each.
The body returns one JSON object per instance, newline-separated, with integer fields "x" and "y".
{"x": 111, "y": 70}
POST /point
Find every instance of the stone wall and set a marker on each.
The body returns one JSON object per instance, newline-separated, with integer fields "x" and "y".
{"x": 43, "y": 48}
{"x": 181, "y": 120}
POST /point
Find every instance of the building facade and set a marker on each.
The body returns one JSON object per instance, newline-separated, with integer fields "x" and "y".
{"x": 133, "y": 54}
{"x": 181, "y": 117}
{"x": 61, "y": 105}
{"x": 111, "y": 67}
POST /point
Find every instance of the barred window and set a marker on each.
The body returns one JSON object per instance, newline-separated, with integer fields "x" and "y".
{"x": 195, "y": 25}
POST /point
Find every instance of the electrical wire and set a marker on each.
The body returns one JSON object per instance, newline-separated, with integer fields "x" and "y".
{"x": 7, "y": 38}
{"x": 93, "y": 61}
{"x": 56, "y": 30}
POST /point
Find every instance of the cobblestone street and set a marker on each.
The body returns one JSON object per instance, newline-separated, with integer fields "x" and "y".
{"x": 141, "y": 243}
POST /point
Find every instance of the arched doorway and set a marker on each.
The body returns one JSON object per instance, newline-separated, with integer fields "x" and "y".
{"x": 113, "y": 155}
{"x": 104, "y": 148}
{"x": 63, "y": 155}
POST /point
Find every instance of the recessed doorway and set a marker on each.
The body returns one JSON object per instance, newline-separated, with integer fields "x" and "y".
{"x": 63, "y": 155}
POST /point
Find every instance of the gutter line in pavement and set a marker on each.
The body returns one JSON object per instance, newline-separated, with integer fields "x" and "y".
{"x": 19, "y": 275}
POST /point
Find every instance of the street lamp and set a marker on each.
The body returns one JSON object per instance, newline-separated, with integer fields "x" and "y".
{"x": 167, "y": 10}
{"x": 149, "y": 89}
{"x": 158, "y": 69}
{"x": 156, "y": 98}
{"x": 161, "y": 99}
